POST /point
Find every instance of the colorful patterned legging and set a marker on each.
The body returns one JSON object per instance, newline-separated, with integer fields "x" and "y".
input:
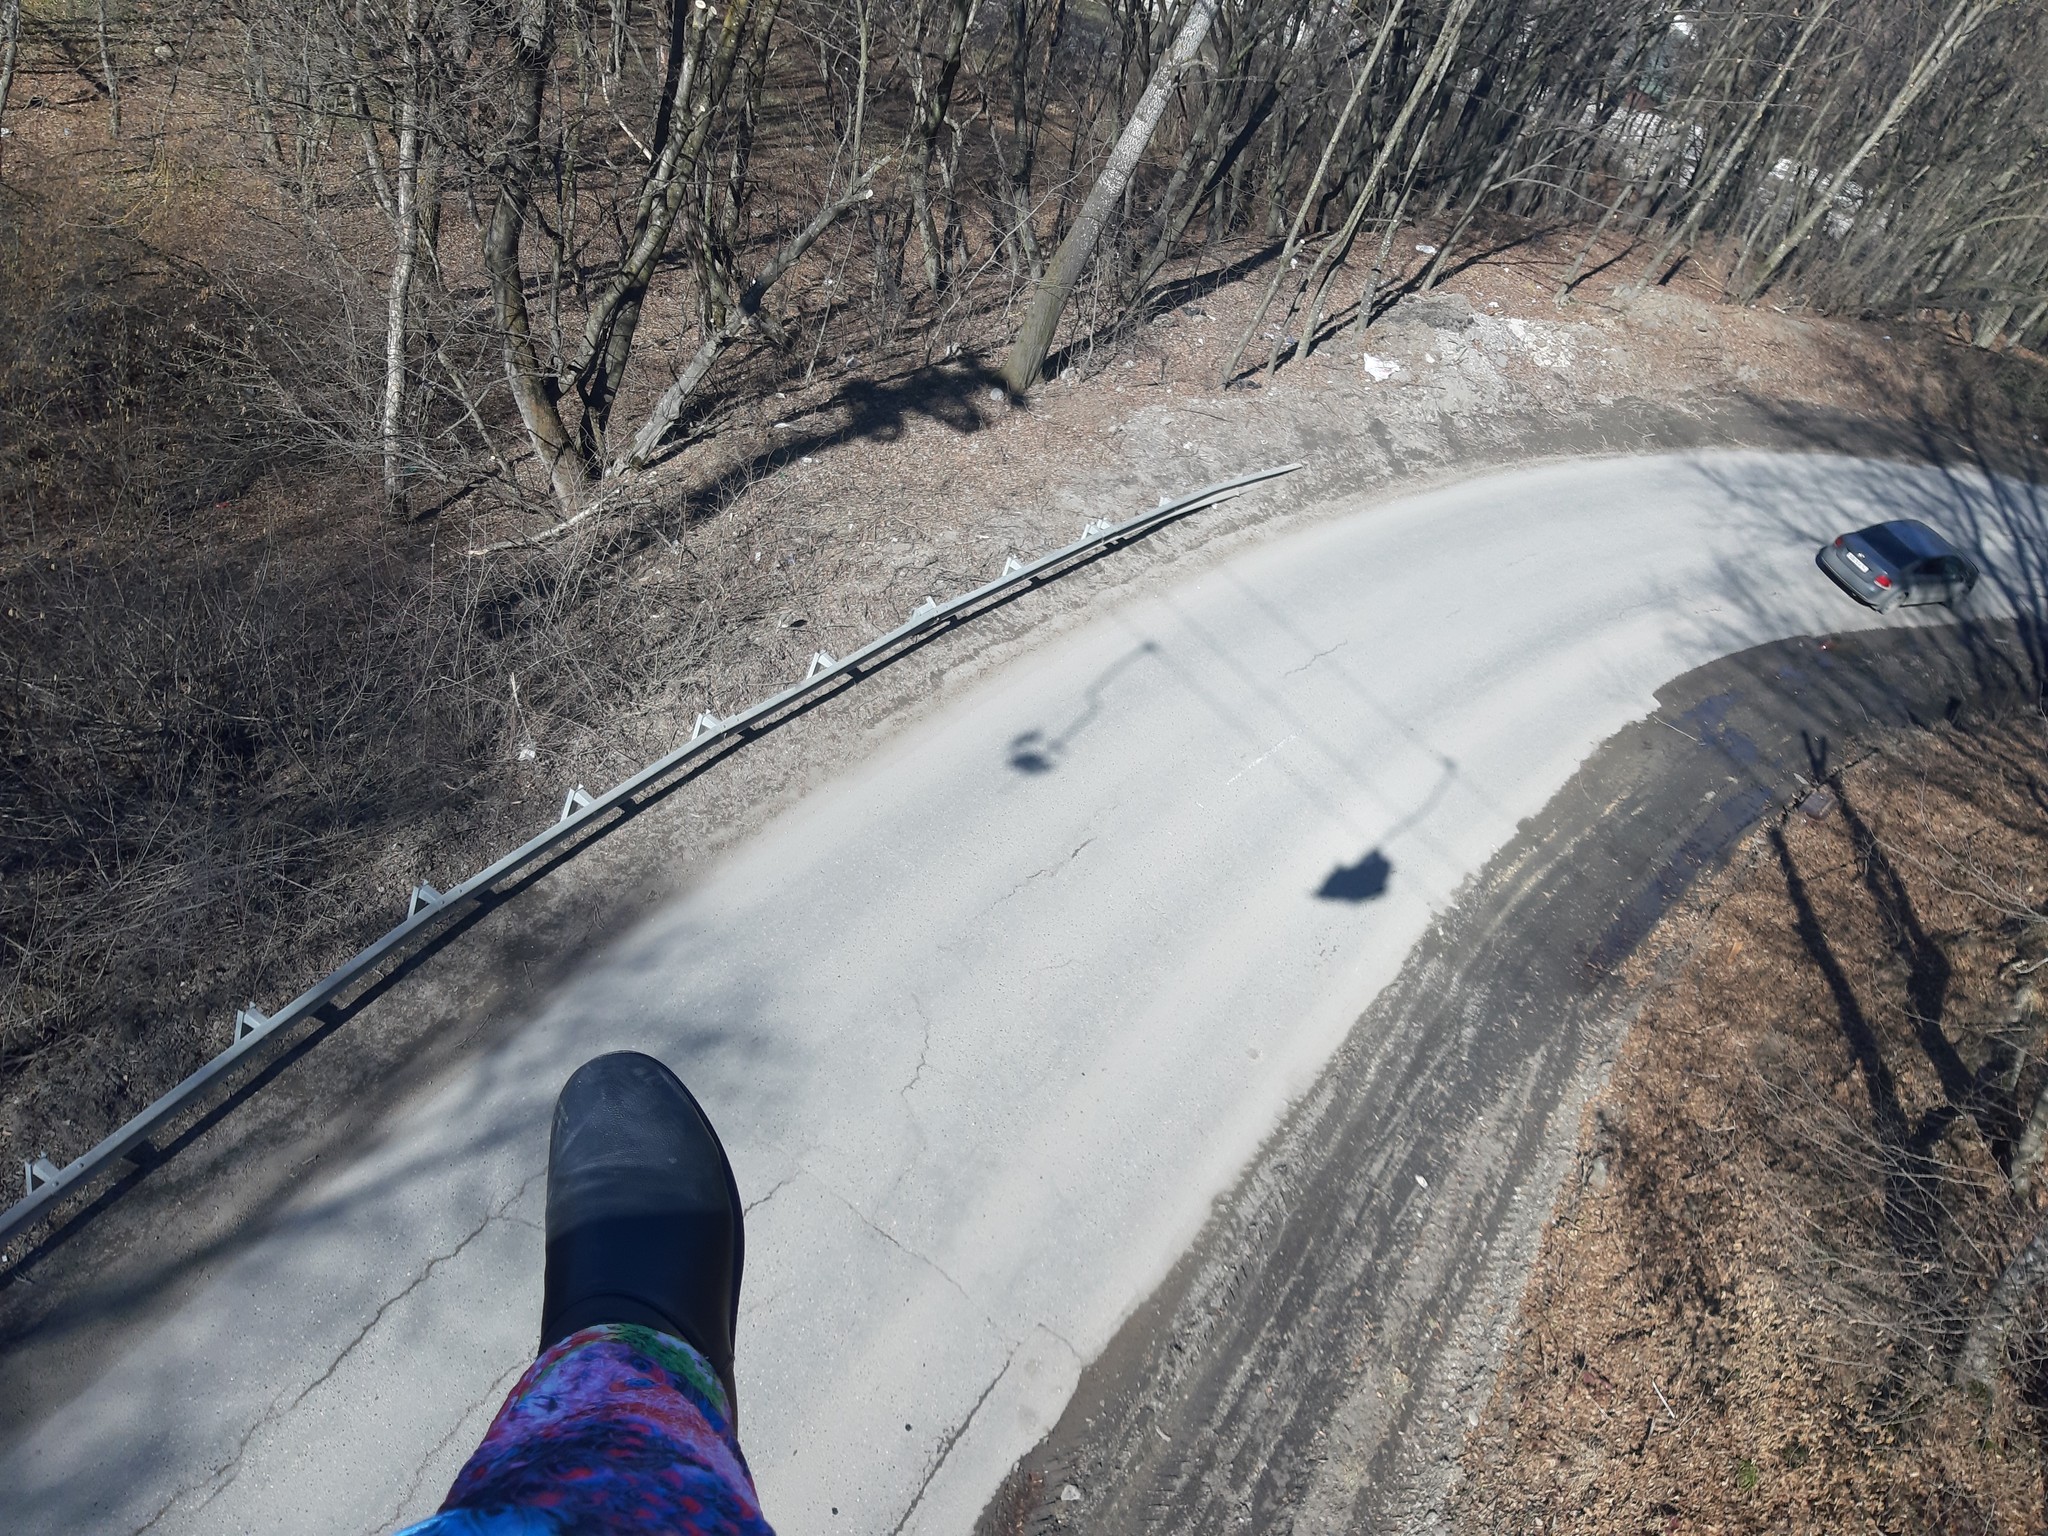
{"x": 615, "y": 1430}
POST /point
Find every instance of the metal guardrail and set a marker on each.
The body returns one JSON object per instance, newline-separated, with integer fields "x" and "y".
{"x": 428, "y": 909}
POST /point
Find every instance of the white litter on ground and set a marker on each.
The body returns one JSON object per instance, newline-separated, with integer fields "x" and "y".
{"x": 1380, "y": 369}
{"x": 1547, "y": 348}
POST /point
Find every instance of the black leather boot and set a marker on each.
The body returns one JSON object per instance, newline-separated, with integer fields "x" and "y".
{"x": 643, "y": 1222}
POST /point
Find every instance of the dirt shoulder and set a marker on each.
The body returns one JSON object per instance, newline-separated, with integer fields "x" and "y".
{"x": 1792, "y": 1203}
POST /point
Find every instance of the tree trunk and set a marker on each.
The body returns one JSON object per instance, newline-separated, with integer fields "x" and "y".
{"x": 405, "y": 228}
{"x": 1571, "y": 277}
{"x": 1021, "y": 236}
{"x": 1285, "y": 261}
{"x": 1682, "y": 239}
{"x": 1042, "y": 319}
{"x": 1955, "y": 30}
{"x": 373, "y": 151}
{"x": 107, "y": 73}
{"x": 615, "y": 317}
{"x": 258, "y": 83}
{"x": 2033, "y": 1142}
{"x": 2019, "y": 333}
{"x": 1434, "y": 272}
{"x": 533, "y": 392}
{"x": 1434, "y": 69}
{"x": 933, "y": 103}
{"x": 10, "y": 48}
{"x": 1206, "y": 187}
{"x": 1983, "y": 1353}
{"x": 1369, "y": 295}
{"x": 739, "y": 317}
{"x": 1210, "y": 154}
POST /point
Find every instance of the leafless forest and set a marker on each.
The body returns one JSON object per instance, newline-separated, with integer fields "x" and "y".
{"x": 521, "y": 261}
{"x": 525, "y": 237}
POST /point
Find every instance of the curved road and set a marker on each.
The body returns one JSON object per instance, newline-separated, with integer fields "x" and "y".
{"x": 991, "y": 1023}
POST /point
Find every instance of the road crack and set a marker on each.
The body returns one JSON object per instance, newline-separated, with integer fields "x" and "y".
{"x": 223, "y": 1477}
{"x": 1041, "y": 874}
{"x": 414, "y": 1284}
{"x": 901, "y": 1247}
{"x": 923, "y": 1051}
{"x": 501, "y": 1385}
{"x": 777, "y": 1188}
{"x": 945, "y": 1446}
{"x": 1319, "y": 655}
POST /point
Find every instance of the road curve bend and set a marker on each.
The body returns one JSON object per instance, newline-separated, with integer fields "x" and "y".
{"x": 990, "y": 1024}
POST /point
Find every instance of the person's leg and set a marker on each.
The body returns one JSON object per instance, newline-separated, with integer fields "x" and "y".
{"x": 626, "y": 1421}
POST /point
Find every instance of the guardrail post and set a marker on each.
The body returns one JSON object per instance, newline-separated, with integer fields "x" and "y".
{"x": 705, "y": 722}
{"x": 38, "y": 1173}
{"x": 578, "y": 799}
{"x": 247, "y": 1021}
{"x": 1011, "y": 567}
{"x": 820, "y": 660}
{"x": 423, "y": 895}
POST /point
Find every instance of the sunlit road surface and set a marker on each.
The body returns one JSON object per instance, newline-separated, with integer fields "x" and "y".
{"x": 987, "y": 1024}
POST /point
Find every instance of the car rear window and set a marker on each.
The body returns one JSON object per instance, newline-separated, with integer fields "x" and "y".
{"x": 1881, "y": 542}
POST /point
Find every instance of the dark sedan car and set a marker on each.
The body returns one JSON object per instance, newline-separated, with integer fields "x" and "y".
{"x": 1892, "y": 564}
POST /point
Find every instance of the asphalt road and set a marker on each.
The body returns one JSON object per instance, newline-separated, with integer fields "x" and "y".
{"x": 992, "y": 1025}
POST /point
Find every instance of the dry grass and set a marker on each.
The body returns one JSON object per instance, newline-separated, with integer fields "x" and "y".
{"x": 1794, "y": 1191}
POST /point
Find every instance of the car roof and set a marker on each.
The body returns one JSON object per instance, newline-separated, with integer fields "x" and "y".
{"x": 1910, "y": 535}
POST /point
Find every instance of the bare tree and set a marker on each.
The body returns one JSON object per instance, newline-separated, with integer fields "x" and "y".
{"x": 107, "y": 74}
{"x": 10, "y": 49}
{"x": 401, "y": 207}
{"x": 1312, "y": 193}
{"x": 1703, "y": 196}
{"x": 529, "y": 41}
{"x": 1128, "y": 139}
{"x": 742, "y": 314}
{"x": 1042, "y": 318}
{"x": 1426, "y": 83}
{"x": 931, "y": 95}
{"x": 1956, "y": 28}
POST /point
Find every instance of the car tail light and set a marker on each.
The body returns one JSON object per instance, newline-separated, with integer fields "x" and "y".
{"x": 1838, "y": 543}
{"x": 1882, "y": 580}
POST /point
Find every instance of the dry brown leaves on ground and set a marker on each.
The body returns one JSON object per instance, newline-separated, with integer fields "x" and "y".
{"x": 1802, "y": 1182}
